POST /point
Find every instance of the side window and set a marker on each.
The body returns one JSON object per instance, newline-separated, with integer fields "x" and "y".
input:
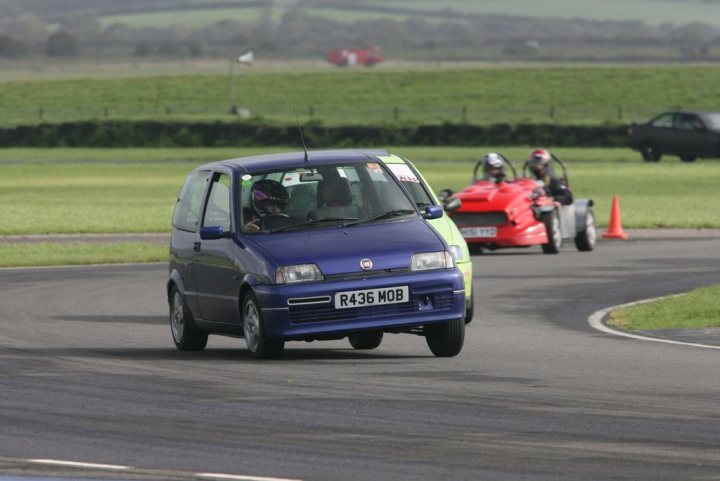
{"x": 665, "y": 120}
{"x": 217, "y": 212}
{"x": 688, "y": 122}
{"x": 189, "y": 203}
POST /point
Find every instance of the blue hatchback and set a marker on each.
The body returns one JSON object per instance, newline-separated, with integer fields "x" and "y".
{"x": 309, "y": 246}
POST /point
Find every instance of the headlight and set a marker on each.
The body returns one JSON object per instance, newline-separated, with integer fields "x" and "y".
{"x": 456, "y": 252}
{"x": 298, "y": 273}
{"x": 431, "y": 260}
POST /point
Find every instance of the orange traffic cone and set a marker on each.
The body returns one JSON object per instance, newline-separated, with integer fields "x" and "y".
{"x": 615, "y": 230}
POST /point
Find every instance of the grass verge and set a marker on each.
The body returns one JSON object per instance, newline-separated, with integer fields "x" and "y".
{"x": 697, "y": 309}
{"x": 79, "y": 253}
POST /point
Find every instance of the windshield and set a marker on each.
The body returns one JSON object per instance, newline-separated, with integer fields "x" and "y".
{"x": 324, "y": 196}
{"x": 412, "y": 184}
{"x": 712, "y": 120}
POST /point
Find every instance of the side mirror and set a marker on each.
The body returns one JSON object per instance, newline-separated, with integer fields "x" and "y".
{"x": 452, "y": 204}
{"x": 433, "y": 212}
{"x": 214, "y": 232}
{"x": 444, "y": 194}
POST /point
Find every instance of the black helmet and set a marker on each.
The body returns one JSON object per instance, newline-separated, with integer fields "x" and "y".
{"x": 267, "y": 191}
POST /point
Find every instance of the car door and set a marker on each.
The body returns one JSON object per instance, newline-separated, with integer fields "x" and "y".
{"x": 693, "y": 136}
{"x": 213, "y": 258}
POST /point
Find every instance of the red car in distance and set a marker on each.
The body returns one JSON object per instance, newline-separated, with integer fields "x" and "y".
{"x": 518, "y": 213}
{"x": 348, "y": 57}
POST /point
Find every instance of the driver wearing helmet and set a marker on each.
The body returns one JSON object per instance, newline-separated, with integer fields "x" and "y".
{"x": 267, "y": 197}
{"x": 539, "y": 165}
{"x": 493, "y": 168}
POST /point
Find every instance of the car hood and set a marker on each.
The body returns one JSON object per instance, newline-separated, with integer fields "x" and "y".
{"x": 389, "y": 245}
{"x": 486, "y": 196}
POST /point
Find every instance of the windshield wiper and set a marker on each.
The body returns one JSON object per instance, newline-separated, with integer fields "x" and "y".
{"x": 385, "y": 215}
{"x": 314, "y": 221}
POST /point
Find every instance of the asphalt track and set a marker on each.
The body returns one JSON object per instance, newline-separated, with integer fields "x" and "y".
{"x": 88, "y": 374}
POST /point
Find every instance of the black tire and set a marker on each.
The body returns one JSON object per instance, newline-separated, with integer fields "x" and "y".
{"x": 688, "y": 158}
{"x": 470, "y": 308}
{"x": 186, "y": 335}
{"x": 445, "y": 339}
{"x": 365, "y": 340}
{"x": 554, "y": 234}
{"x": 650, "y": 151}
{"x": 257, "y": 340}
{"x": 585, "y": 239}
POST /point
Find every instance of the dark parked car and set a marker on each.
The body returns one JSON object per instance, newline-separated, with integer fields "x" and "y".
{"x": 687, "y": 134}
{"x": 287, "y": 247}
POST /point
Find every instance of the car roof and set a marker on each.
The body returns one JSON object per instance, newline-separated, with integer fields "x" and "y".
{"x": 260, "y": 163}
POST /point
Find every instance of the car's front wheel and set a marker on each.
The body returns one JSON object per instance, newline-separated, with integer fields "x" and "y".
{"x": 650, "y": 151}
{"x": 470, "y": 306}
{"x": 365, "y": 340}
{"x": 554, "y": 234}
{"x": 585, "y": 239}
{"x": 257, "y": 340}
{"x": 445, "y": 339}
{"x": 186, "y": 335}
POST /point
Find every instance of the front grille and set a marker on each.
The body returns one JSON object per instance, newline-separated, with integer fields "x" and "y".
{"x": 441, "y": 301}
{"x": 472, "y": 219}
{"x": 366, "y": 274}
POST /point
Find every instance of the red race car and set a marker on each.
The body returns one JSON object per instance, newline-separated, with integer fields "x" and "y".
{"x": 519, "y": 213}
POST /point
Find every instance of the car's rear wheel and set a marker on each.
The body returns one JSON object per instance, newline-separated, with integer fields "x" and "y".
{"x": 554, "y": 234}
{"x": 650, "y": 151}
{"x": 365, "y": 340}
{"x": 585, "y": 239}
{"x": 257, "y": 340}
{"x": 445, "y": 339}
{"x": 688, "y": 158}
{"x": 186, "y": 335}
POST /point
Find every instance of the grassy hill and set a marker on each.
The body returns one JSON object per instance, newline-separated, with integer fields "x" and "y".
{"x": 580, "y": 95}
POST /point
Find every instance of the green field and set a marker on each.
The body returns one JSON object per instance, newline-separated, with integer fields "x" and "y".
{"x": 565, "y": 95}
{"x": 653, "y": 12}
{"x": 697, "y": 309}
{"x": 136, "y": 193}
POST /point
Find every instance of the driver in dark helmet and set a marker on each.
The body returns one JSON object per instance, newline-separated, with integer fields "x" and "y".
{"x": 539, "y": 165}
{"x": 493, "y": 168}
{"x": 267, "y": 197}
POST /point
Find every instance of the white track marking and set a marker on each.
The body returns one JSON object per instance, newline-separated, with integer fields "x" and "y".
{"x": 240, "y": 478}
{"x": 75, "y": 464}
{"x": 595, "y": 321}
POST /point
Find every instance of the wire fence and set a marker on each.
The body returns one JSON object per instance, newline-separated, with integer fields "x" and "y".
{"x": 335, "y": 116}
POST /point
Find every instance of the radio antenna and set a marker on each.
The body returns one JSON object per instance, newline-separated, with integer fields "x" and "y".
{"x": 301, "y": 134}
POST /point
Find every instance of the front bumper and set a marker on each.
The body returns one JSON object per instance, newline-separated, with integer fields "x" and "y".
{"x": 434, "y": 296}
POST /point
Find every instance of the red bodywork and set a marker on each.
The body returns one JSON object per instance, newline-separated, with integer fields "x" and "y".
{"x": 508, "y": 207}
{"x": 345, "y": 57}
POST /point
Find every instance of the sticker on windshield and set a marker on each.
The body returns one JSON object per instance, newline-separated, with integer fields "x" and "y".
{"x": 375, "y": 168}
{"x": 404, "y": 173}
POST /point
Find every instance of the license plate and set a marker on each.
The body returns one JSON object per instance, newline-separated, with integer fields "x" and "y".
{"x": 371, "y": 297}
{"x": 472, "y": 232}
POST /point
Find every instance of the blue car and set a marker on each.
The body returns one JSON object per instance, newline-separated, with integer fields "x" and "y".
{"x": 309, "y": 246}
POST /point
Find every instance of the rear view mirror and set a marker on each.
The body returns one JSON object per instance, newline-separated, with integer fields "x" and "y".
{"x": 433, "y": 212}
{"x": 311, "y": 177}
{"x": 214, "y": 232}
{"x": 452, "y": 204}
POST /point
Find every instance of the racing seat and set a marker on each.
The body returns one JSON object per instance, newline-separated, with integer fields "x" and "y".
{"x": 335, "y": 200}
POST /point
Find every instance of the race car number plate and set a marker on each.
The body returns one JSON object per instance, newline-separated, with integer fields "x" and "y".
{"x": 472, "y": 232}
{"x": 371, "y": 297}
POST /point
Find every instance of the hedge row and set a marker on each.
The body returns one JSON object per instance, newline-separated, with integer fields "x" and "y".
{"x": 221, "y": 134}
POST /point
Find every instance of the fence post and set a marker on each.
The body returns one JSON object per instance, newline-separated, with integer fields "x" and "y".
{"x": 620, "y": 112}
{"x": 464, "y": 114}
{"x": 396, "y": 113}
{"x": 311, "y": 111}
{"x": 552, "y": 112}
{"x": 41, "y": 112}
